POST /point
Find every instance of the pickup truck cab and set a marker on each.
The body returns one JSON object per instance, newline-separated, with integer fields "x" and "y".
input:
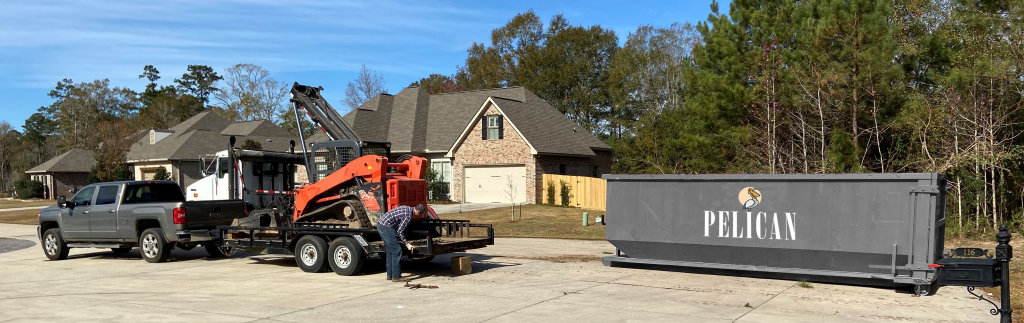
{"x": 151, "y": 215}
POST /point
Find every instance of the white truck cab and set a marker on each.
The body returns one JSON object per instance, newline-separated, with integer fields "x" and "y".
{"x": 257, "y": 176}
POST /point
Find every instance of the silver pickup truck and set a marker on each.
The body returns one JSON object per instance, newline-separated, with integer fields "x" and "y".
{"x": 151, "y": 215}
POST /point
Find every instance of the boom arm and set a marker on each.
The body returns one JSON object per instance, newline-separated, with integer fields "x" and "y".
{"x": 308, "y": 98}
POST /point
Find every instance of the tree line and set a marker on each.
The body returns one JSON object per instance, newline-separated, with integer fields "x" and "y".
{"x": 824, "y": 86}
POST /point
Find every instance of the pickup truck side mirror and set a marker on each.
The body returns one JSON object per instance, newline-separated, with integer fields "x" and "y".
{"x": 62, "y": 201}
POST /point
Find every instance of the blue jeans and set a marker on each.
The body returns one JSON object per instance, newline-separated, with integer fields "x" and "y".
{"x": 393, "y": 250}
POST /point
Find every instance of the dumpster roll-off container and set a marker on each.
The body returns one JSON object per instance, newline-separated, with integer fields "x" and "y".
{"x": 882, "y": 229}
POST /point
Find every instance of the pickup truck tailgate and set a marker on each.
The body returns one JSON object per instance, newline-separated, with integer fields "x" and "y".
{"x": 212, "y": 213}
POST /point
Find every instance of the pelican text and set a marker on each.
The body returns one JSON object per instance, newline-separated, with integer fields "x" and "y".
{"x": 732, "y": 224}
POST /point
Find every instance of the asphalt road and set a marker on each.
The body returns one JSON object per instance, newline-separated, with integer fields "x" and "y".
{"x": 511, "y": 283}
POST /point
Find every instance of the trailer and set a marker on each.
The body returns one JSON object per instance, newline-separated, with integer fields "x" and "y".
{"x": 319, "y": 247}
{"x": 880, "y": 229}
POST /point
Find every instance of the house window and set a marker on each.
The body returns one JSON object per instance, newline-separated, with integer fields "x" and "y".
{"x": 493, "y": 127}
{"x": 440, "y": 190}
{"x": 595, "y": 172}
{"x": 561, "y": 168}
{"x": 443, "y": 169}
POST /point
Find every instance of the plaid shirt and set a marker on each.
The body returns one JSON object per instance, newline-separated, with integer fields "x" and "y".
{"x": 398, "y": 218}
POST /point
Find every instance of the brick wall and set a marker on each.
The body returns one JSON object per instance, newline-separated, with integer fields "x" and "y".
{"x": 510, "y": 150}
{"x": 67, "y": 184}
{"x": 187, "y": 173}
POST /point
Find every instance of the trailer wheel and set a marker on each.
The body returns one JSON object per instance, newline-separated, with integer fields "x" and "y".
{"x": 310, "y": 254}
{"x": 346, "y": 256}
{"x": 154, "y": 247}
{"x": 54, "y": 246}
{"x": 219, "y": 250}
{"x": 926, "y": 290}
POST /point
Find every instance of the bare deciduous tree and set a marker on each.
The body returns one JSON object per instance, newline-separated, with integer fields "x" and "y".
{"x": 366, "y": 85}
{"x": 250, "y": 93}
{"x": 510, "y": 191}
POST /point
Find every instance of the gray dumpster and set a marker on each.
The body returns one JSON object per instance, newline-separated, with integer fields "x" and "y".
{"x": 863, "y": 228}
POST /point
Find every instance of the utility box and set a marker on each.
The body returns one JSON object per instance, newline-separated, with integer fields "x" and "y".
{"x": 883, "y": 229}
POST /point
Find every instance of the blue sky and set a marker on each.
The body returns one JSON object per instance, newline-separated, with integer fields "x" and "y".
{"x": 312, "y": 42}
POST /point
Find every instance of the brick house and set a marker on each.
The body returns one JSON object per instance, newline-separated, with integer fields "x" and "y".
{"x": 180, "y": 149}
{"x": 65, "y": 174}
{"x": 484, "y": 143}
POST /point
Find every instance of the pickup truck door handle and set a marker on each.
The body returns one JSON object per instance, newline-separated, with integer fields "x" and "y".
{"x": 85, "y": 212}
{"x": 110, "y": 211}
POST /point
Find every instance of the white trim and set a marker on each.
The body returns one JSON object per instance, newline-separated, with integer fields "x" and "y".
{"x": 159, "y": 160}
{"x": 418, "y": 151}
{"x": 476, "y": 119}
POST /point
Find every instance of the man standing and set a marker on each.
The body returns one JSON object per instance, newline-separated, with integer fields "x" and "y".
{"x": 392, "y": 230}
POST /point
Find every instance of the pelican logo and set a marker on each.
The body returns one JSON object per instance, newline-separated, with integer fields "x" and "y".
{"x": 750, "y": 197}
{"x": 746, "y": 224}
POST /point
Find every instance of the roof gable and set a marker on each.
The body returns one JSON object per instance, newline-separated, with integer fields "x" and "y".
{"x": 479, "y": 114}
{"x": 73, "y": 161}
{"x": 413, "y": 120}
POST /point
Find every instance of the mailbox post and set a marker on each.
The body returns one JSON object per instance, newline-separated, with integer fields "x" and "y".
{"x": 1003, "y": 254}
{"x": 974, "y": 267}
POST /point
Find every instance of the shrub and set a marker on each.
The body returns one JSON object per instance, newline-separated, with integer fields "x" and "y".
{"x": 551, "y": 193}
{"x": 161, "y": 174}
{"x": 437, "y": 190}
{"x": 29, "y": 189}
{"x": 566, "y": 192}
{"x": 250, "y": 144}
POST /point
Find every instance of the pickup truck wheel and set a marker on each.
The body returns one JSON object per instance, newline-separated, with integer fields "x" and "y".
{"x": 346, "y": 256}
{"x": 154, "y": 247}
{"x": 54, "y": 245}
{"x": 311, "y": 254}
{"x": 120, "y": 250}
{"x": 220, "y": 250}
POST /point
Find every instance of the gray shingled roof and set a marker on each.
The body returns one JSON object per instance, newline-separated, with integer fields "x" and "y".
{"x": 73, "y": 161}
{"x": 414, "y": 120}
{"x": 207, "y": 133}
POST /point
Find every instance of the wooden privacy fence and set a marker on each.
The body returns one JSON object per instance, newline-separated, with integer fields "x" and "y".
{"x": 586, "y": 192}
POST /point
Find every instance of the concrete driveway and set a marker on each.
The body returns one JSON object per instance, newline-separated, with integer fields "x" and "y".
{"x": 466, "y": 207}
{"x": 511, "y": 283}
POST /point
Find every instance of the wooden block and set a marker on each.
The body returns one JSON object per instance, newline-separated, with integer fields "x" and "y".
{"x": 462, "y": 265}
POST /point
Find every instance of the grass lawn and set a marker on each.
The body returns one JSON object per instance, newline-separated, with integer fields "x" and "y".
{"x": 5, "y": 204}
{"x": 538, "y": 221}
{"x": 20, "y": 217}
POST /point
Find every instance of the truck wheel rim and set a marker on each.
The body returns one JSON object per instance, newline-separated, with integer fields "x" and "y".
{"x": 149, "y": 246}
{"x": 226, "y": 249}
{"x": 343, "y": 257}
{"x": 308, "y": 254}
{"x": 51, "y": 244}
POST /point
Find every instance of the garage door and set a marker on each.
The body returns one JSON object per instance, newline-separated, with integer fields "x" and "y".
{"x": 490, "y": 184}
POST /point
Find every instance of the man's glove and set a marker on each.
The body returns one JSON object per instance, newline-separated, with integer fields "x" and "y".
{"x": 410, "y": 246}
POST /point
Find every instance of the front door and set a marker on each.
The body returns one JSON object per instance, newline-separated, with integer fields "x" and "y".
{"x": 103, "y": 216}
{"x": 75, "y": 216}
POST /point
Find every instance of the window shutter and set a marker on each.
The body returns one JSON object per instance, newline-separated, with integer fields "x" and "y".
{"x": 483, "y": 128}
{"x": 501, "y": 127}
